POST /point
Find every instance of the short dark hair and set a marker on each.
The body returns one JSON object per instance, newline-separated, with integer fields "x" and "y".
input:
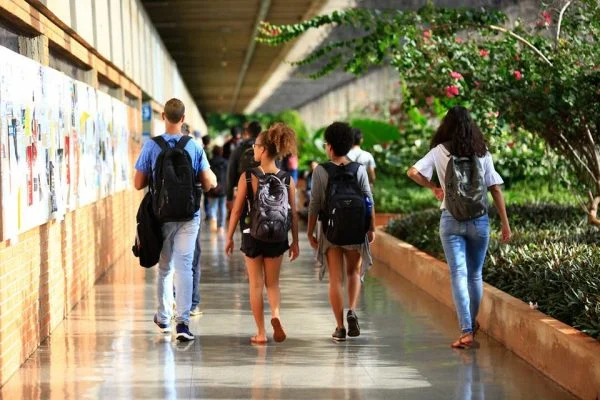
{"x": 340, "y": 138}
{"x": 254, "y": 128}
{"x": 235, "y": 131}
{"x": 358, "y": 136}
{"x": 206, "y": 140}
{"x": 174, "y": 110}
{"x": 217, "y": 151}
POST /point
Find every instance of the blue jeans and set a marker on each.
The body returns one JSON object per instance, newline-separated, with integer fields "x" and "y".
{"x": 465, "y": 245}
{"x": 176, "y": 257}
{"x": 217, "y": 209}
{"x": 196, "y": 272}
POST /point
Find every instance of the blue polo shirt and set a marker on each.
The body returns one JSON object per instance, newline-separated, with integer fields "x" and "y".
{"x": 146, "y": 162}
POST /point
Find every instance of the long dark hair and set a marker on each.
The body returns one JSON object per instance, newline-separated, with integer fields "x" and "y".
{"x": 461, "y": 133}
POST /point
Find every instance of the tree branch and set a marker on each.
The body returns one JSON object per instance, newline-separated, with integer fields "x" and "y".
{"x": 522, "y": 40}
{"x": 560, "y": 17}
{"x": 581, "y": 162}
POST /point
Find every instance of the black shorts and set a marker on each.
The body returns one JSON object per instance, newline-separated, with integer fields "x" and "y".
{"x": 253, "y": 248}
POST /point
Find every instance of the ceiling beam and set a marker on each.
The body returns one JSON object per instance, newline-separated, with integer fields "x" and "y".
{"x": 262, "y": 15}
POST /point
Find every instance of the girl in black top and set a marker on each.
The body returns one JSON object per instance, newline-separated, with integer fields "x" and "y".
{"x": 263, "y": 260}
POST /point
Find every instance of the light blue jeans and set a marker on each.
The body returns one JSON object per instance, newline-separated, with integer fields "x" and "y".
{"x": 176, "y": 257}
{"x": 217, "y": 209}
{"x": 465, "y": 245}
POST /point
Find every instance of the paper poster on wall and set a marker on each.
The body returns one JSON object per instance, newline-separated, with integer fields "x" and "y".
{"x": 63, "y": 144}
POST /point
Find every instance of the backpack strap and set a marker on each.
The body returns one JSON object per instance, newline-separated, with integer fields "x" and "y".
{"x": 161, "y": 142}
{"x": 183, "y": 142}
{"x": 285, "y": 177}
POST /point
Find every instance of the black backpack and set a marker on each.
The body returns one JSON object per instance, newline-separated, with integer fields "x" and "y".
{"x": 465, "y": 189}
{"x": 175, "y": 194}
{"x": 345, "y": 219}
{"x": 219, "y": 167}
{"x": 246, "y": 160}
{"x": 148, "y": 240}
{"x": 269, "y": 208}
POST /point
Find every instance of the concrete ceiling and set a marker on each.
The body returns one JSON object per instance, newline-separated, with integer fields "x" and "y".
{"x": 211, "y": 42}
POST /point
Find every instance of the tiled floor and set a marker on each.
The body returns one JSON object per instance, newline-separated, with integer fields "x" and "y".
{"x": 108, "y": 347}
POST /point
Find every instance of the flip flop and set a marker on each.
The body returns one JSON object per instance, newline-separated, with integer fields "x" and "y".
{"x": 462, "y": 342}
{"x": 254, "y": 340}
{"x": 278, "y": 334}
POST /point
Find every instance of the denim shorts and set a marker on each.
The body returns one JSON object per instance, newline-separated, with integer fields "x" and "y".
{"x": 254, "y": 248}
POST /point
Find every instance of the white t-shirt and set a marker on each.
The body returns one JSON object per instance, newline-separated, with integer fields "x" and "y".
{"x": 360, "y": 156}
{"x": 438, "y": 158}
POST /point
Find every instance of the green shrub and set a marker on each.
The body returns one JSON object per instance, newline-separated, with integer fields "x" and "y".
{"x": 392, "y": 196}
{"x": 553, "y": 259}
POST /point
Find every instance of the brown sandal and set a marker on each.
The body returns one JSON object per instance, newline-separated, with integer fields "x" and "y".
{"x": 278, "y": 332}
{"x": 463, "y": 342}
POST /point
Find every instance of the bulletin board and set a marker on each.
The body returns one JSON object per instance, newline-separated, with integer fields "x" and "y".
{"x": 63, "y": 144}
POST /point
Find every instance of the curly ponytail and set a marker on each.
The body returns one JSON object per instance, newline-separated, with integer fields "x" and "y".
{"x": 279, "y": 140}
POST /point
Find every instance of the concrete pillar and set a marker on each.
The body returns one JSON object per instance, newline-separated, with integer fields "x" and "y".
{"x": 35, "y": 48}
{"x": 91, "y": 78}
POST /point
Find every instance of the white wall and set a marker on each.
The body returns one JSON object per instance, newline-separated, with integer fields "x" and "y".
{"x": 123, "y": 33}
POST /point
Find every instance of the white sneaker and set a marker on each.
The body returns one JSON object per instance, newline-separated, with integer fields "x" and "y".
{"x": 196, "y": 311}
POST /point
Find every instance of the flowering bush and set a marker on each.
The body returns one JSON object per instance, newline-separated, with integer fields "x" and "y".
{"x": 544, "y": 79}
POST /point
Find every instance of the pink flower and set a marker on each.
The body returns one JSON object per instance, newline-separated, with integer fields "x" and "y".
{"x": 456, "y": 75}
{"x": 275, "y": 32}
{"x": 452, "y": 91}
{"x": 547, "y": 17}
{"x": 518, "y": 75}
{"x": 427, "y": 34}
{"x": 458, "y": 40}
{"x": 429, "y": 100}
{"x": 484, "y": 53}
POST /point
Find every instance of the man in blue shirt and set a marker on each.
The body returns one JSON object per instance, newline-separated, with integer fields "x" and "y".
{"x": 179, "y": 237}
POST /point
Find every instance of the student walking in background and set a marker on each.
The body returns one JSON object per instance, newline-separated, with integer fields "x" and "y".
{"x": 341, "y": 199}
{"x": 466, "y": 171}
{"x": 268, "y": 196}
{"x": 217, "y": 211}
{"x": 361, "y": 156}
{"x": 241, "y": 160}
{"x": 176, "y": 203}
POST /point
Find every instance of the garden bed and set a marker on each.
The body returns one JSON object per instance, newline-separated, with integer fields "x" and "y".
{"x": 553, "y": 260}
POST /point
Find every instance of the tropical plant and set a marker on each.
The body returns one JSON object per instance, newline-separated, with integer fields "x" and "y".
{"x": 544, "y": 79}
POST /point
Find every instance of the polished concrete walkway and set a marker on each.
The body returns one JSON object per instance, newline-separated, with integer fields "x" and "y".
{"x": 108, "y": 347}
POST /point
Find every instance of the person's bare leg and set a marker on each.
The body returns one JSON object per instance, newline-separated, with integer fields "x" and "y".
{"x": 256, "y": 284}
{"x": 353, "y": 261}
{"x": 272, "y": 270}
{"x": 335, "y": 266}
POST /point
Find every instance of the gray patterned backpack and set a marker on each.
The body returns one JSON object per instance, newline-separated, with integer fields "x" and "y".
{"x": 466, "y": 192}
{"x": 269, "y": 208}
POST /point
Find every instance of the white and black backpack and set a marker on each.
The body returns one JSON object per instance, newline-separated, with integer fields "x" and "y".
{"x": 269, "y": 207}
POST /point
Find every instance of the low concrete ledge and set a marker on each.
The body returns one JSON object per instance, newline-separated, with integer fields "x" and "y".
{"x": 564, "y": 354}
